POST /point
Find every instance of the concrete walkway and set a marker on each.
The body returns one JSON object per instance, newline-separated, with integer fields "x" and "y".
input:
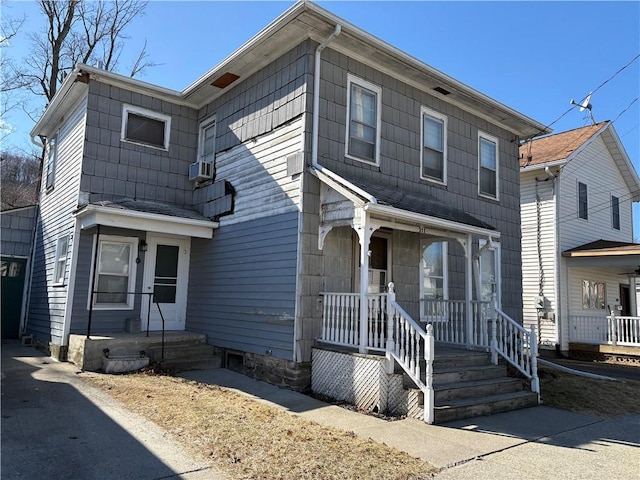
{"x": 55, "y": 426}
{"x": 534, "y": 443}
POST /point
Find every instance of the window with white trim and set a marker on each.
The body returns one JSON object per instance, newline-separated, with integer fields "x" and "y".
{"x": 145, "y": 127}
{"x": 207, "y": 141}
{"x": 594, "y": 295}
{"x": 583, "y": 201}
{"x": 490, "y": 272}
{"x": 615, "y": 212}
{"x": 363, "y": 120}
{"x": 488, "y": 162}
{"x": 115, "y": 273}
{"x": 60, "y": 262}
{"x": 433, "y": 155}
{"x": 52, "y": 155}
{"x": 433, "y": 281}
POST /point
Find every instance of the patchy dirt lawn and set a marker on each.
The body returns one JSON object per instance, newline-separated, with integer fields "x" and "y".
{"x": 248, "y": 439}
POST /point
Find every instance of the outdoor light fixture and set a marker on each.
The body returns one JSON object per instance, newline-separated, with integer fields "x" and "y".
{"x": 143, "y": 245}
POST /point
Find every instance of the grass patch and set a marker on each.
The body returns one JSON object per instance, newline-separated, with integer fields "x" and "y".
{"x": 248, "y": 439}
{"x": 600, "y": 398}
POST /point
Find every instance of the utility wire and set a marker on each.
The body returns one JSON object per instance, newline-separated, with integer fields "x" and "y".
{"x": 599, "y": 207}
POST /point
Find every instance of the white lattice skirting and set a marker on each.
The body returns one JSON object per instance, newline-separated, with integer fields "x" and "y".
{"x": 359, "y": 380}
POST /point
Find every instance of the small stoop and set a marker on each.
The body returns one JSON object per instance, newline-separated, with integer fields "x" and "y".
{"x": 466, "y": 385}
{"x": 187, "y": 357}
{"x": 182, "y": 350}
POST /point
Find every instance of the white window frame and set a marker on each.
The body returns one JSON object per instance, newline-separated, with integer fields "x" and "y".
{"x": 615, "y": 212}
{"x": 52, "y": 159}
{"x": 591, "y": 285}
{"x": 127, "y": 109}
{"x": 494, "y": 140}
{"x": 426, "y": 112}
{"x": 133, "y": 242}
{"x": 352, "y": 79}
{"x": 60, "y": 260}
{"x": 445, "y": 276}
{"x": 204, "y": 126}
{"x": 586, "y": 195}
{"x": 495, "y": 248}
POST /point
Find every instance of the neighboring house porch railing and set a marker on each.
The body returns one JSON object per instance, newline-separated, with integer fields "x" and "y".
{"x": 391, "y": 330}
{"x": 605, "y": 330}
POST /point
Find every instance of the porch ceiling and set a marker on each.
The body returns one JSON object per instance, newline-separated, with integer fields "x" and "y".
{"x": 146, "y": 216}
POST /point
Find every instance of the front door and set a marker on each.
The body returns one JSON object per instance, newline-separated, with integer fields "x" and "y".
{"x": 166, "y": 275}
{"x": 625, "y": 301}
{"x": 379, "y": 264}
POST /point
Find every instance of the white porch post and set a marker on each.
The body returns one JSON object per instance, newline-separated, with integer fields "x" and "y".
{"x": 469, "y": 290}
{"x": 364, "y": 235}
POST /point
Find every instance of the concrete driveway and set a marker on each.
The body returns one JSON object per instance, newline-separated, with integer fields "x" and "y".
{"x": 55, "y": 426}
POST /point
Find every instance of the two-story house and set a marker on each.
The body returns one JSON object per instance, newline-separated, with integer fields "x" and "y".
{"x": 579, "y": 261}
{"x": 270, "y": 204}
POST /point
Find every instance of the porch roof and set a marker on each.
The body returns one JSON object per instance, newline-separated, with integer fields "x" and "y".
{"x": 603, "y": 248}
{"x": 423, "y": 204}
{"x": 147, "y": 216}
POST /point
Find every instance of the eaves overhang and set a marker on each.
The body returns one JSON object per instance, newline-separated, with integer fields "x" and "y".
{"x": 93, "y": 215}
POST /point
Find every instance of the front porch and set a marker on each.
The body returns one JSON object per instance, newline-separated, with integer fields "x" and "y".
{"x": 398, "y": 368}
{"x": 610, "y": 338}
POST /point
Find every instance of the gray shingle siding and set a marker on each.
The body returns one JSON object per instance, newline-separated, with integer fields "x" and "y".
{"x": 17, "y": 231}
{"x": 400, "y": 157}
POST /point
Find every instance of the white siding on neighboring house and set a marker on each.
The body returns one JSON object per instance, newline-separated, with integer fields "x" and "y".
{"x": 595, "y": 168}
{"x": 607, "y": 275}
{"x": 538, "y": 252}
{"x": 48, "y": 302}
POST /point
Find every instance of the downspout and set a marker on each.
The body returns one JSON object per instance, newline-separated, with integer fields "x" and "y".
{"x": 93, "y": 280}
{"x": 316, "y": 97}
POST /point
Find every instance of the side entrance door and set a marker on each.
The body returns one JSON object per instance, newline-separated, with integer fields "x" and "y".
{"x": 12, "y": 274}
{"x": 166, "y": 275}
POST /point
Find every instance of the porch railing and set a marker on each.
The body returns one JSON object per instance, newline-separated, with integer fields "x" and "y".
{"x": 389, "y": 329}
{"x": 516, "y": 345}
{"x": 452, "y": 325}
{"x": 605, "y": 330}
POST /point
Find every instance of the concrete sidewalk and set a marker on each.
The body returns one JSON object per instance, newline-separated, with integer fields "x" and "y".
{"x": 55, "y": 426}
{"x": 534, "y": 443}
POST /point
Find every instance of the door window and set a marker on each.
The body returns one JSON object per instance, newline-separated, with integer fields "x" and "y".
{"x": 165, "y": 279}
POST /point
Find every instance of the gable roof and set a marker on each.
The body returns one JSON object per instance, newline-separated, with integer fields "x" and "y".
{"x": 556, "y": 147}
{"x": 305, "y": 20}
{"x": 561, "y": 148}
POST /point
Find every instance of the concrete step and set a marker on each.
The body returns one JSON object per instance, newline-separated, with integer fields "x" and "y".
{"x": 178, "y": 351}
{"x": 477, "y": 388}
{"x": 475, "y": 407}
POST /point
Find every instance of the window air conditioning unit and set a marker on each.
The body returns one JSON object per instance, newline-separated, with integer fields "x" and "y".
{"x": 200, "y": 171}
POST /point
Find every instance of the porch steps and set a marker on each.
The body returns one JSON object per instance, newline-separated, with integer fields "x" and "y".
{"x": 466, "y": 385}
{"x": 186, "y": 354}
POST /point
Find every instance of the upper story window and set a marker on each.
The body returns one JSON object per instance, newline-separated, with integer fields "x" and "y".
{"x": 433, "y": 157}
{"x": 363, "y": 120}
{"x": 145, "y": 127}
{"x": 615, "y": 212}
{"x": 488, "y": 166}
{"x": 207, "y": 141}
{"x": 583, "y": 202}
{"x": 60, "y": 263}
{"x": 51, "y": 163}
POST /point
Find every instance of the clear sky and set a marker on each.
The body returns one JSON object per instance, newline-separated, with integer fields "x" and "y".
{"x": 532, "y": 56}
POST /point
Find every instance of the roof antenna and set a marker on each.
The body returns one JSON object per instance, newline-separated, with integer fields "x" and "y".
{"x": 585, "y": 106}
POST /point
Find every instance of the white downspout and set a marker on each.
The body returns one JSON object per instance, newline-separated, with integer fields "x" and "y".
{"x": 316, "y": 97}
